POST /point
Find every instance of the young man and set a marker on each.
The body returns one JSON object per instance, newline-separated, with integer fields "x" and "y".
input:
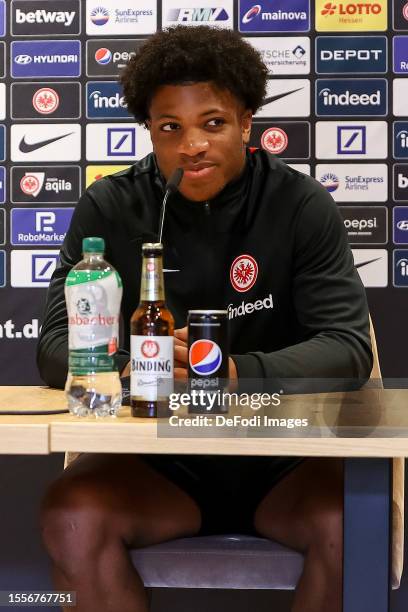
{"x": 304, "y": 315}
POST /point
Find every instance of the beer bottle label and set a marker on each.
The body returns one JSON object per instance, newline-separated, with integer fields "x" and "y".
{"x": 151, "y": 377}
{"x": 93, "y": 305}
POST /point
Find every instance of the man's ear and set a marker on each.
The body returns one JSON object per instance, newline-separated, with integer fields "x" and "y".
{"x": 246, "y": 123}
{"x": 148, "y": 124}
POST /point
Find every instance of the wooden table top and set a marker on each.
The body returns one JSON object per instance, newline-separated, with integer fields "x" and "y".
{"x": 367, "y": 423}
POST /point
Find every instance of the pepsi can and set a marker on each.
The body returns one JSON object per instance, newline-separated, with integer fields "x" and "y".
{"x": 208, "y": 355}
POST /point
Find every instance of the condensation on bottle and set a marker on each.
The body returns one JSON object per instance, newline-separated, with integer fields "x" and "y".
{"x": 93, "y": 293}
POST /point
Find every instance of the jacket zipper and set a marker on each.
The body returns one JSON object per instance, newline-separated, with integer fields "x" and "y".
{"x": 209, "y": 242}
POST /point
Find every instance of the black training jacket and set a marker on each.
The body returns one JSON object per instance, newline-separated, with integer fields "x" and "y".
{"x": 304, "y": 314}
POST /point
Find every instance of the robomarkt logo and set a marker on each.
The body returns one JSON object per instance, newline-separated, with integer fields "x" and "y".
{"x": 245, "y": 308}
{"x": 29, "y": 331}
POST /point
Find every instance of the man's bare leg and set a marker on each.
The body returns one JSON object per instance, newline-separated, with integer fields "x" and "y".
{"x": 305, "y": 512}
{"x": 101, "y": 506}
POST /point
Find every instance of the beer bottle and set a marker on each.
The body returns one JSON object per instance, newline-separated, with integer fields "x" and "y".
{"x": 151, "y": 341}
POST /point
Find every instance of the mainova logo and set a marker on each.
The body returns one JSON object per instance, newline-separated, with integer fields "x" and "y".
{"x": 372, "y": 266}
{"x": 45, "y": 184}
{"x": 351, "y": 140}
{"x": 29, "y": 18}
{"x": 365, "y": 224}
{"x": 288, "y": 139}
{"x": 400, "y": 224}
{"x": 198, "y": 12}
{"x": 284, "y": 54}
{"x": 29, "y": 268}
{"x": 46, "y": 142}
{"x": 105, "y": 100}
{"x": 342, "y": 97}
{"x": 354, "y": 182}
{"x": 348, "y": 16}
{"x": 277, "y": 16}
{"x": 351, "y": 54}
{"x": 120, "y": 17}
{"x": 108, "y": 57}
{"x": 45, "y": 58}
{"x": 286, "y": 98}
{"x": 45, "y": 227}
{"x": 58, "y": 100}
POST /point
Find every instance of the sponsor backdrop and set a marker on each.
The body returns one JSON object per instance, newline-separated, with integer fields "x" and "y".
{"x": 336, "y": 108}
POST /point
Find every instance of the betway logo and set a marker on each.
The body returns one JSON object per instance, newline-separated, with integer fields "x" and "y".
{"x": 249, "y": 307}
{"x": 350, "y": 99}
{"x": 351, "y": 8}
{"x": 402, "y": 181}
{"x": 197, "y": 14}
{"x": 43, "y": 16}
{"x": 29, "y": 331}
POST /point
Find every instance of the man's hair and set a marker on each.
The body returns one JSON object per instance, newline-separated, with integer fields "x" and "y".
{"x": 183, "y": 55}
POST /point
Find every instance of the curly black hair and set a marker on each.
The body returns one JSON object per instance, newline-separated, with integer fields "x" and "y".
{"x": 183, "y": 54}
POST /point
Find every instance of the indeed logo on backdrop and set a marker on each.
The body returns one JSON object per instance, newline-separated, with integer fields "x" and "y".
{"x": 105, "y": 100}
{"x": 343, "y": 97}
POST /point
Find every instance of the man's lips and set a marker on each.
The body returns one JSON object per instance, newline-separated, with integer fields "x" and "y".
{"x": 198, "y": 171}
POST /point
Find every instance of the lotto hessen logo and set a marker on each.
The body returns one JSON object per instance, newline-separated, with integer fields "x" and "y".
{"x": 288, "y": 139}
{"x": 205, "y": 357}
{"x": 59, "y": 58}
{"x": 45, "y": 227}
{"x": 243, "y": 273}
{"x": 150, "y": 349}
{"x": 105, "y": 100}
{"x": 356, "y": 97}
{"x": 351, "y": 54}
{"x": 286, "y": 16}
{"x": 107, "y": 57}
{"x": 29, "y": 18}
{"x": 351, "y": 140}
{"x": 400, "y": 224}
{"x": 347, "y": 16}
{"x": 120, "y": 17}
{"x": 45, "y": 184}
{"x": 283, "y": 54}
{"x": 400, "y": 20}
{"x": 60, "y": 100}
{"x": 198, "y": 12}
{"x": 354, "y": 182}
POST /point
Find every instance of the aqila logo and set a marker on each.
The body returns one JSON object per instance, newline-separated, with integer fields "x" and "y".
{"x": 100, "y": 16}
{"x": 351, "y": 8}
{"x": 150, "y": 349}
{"x": 46, "y": 100}
{"x": 275, "y": 140}
{"x": 243, "y": 273}
{"x": 205, "y": 357}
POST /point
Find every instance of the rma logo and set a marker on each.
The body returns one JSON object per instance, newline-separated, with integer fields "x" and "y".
{"x": 184, "y": 15}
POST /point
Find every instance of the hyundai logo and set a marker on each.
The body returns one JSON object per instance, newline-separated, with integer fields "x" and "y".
{"x": 403, "y": 225}
{"x": 23, "y": 59}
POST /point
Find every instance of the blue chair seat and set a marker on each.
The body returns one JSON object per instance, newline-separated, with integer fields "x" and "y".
{"x": 219, "y": 562}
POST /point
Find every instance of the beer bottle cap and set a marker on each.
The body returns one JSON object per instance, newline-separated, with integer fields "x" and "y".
{"x": 93, "y": 245}
{"x": 152, "y": 247}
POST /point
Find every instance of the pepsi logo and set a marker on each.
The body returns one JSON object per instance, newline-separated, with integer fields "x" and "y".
{"x": 243, "y": 273}
{"x": 330, "y": 181}
{"x": 100, "y": 16}
{"x": 252, "y": 13}
{"x": 103, "y": 56}
{"x": 275, "y": 140}
{"x": 46, "y": 100}
{"x": 205, "y": 357}
{"x": 150, "y": 349}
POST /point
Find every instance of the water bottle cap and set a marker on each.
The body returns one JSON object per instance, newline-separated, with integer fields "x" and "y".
{"x": 93, "y": 245}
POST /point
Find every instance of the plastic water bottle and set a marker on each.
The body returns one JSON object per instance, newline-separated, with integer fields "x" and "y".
{"x": 93, "y": 292}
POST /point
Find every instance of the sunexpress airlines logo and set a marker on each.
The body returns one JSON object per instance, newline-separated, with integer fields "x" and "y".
{"x": 279, "y": 16}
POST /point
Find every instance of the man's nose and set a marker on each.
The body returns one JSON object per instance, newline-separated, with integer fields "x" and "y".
{"x": 193, "y": 142}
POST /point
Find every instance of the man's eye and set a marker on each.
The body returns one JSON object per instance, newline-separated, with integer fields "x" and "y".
{"x": 169, "y": 127}
{"x": 215, "y": 122}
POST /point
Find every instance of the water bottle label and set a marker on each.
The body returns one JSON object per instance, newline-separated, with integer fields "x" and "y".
{"x": 93, "y": 304}
{"x": 151, "y": 376}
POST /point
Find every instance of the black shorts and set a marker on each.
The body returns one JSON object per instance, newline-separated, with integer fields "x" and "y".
{"x": 227, "y": 489}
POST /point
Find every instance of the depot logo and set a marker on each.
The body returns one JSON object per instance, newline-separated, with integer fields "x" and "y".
{"x": 339, "y": 16}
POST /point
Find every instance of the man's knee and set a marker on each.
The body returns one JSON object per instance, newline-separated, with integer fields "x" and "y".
{"x": 325, "y": 536}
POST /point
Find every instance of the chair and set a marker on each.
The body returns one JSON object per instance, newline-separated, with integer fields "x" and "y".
{"x": 236, "y": 561}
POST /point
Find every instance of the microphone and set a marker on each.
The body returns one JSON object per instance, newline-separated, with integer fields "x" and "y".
{"x": 171, "y": 187}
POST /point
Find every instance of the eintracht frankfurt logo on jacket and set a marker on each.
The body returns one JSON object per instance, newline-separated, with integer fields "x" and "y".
{"x": 243, "y": 273}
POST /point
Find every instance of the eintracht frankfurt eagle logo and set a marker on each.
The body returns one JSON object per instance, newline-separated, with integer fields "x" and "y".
{"x": 243, "y": 273}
